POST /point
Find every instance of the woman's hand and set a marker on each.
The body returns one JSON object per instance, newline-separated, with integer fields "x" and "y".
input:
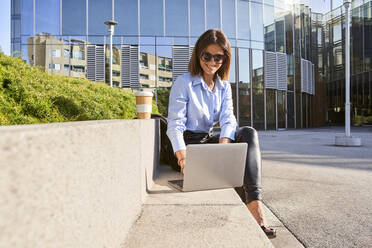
{"x": 181, "y": 157}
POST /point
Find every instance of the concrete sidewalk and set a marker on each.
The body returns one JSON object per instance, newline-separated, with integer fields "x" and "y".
{"x": 322, "y": 193}
{"x": 214, "y": 218}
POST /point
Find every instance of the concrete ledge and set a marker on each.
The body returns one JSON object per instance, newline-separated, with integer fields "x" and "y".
{"x": 214, "y": 218}
{"x": 75, "y": 184}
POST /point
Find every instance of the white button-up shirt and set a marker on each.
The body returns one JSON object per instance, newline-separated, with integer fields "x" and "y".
{"x": 194, "y": 107}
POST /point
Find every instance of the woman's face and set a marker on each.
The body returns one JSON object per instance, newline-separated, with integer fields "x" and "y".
{"x": 211, "y": 59}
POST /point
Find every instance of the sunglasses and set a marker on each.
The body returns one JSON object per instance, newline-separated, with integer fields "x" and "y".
{"x": 218, "y": 58}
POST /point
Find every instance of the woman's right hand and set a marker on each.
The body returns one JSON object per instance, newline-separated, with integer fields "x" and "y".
{"x": 181, "y": 159}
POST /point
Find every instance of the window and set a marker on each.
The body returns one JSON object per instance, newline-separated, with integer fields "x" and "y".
{"x": 257, "y": 22}
{"x": 55, "y": 67}
{"x": 73, "y": 17}
{"x": 78, "y": 68}
{"x": 99, "y": 11}
{"x": 56, "y": 53}
{"x": 66, "y": 67}
{"x": 143, "y": 60}
{"x": 176, "y": 20}
{"x": 151, "y": 17}
{"x": 213, "y": 14}
{"x": 126, "y": 14}
{"x": 144, "y": 76}
{"x": 279, "y": 30}
{"x": 196, "y": 17}
{"x": 244, "y": 88}
{"x": 78, "y": 55}
{"x": 115, "y": 73}
{"x": 165, "y": 79}
{"x": 228, "y": 18}
{"x": 66, "y": 53}
{"x": 27, "y": 18}
{"x": 243, "y": 19}
{"x": 47, "y": 16}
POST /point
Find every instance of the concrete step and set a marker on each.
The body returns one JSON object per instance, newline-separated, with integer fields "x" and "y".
{"x": 214, "y": 218}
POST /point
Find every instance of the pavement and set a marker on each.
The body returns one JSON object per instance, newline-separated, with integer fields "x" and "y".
{"x": 321, "y": 193}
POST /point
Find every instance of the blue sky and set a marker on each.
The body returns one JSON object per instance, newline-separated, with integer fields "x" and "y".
{"x": 319, "y": 6}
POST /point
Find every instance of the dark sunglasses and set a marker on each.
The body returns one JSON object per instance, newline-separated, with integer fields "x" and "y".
{"x": 218, "y": 58}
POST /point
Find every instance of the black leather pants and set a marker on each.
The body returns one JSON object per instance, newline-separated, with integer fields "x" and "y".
{"x": 252, "y": 189}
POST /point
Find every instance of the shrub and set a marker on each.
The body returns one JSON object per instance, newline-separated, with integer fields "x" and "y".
{"x": 163, "y": 101}
{"x": 28, "y": 95}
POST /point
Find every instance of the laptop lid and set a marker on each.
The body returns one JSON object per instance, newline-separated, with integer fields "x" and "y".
{"x": 214, "y": 166}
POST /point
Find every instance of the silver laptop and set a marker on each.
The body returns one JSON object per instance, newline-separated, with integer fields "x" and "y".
{"x": 213, "y": 166}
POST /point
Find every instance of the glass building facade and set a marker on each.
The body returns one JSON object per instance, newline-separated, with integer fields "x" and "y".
{"x": 283, "y": 55}
{"x": 333, "y": 63}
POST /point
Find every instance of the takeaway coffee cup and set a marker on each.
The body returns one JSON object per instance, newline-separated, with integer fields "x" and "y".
{"x": 144, "y": 104}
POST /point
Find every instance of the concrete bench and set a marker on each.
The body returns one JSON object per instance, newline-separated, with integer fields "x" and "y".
{"x": 98, "y": 184}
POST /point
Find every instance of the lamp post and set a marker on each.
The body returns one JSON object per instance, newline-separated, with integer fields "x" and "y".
{"x": 347, "y": 140}
{"x": 111, "y": 25}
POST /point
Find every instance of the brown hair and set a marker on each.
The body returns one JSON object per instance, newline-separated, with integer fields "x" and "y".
{"x": 211, "y": 36}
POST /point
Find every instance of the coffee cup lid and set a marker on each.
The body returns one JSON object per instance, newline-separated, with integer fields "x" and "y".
{"x": 143, "y": 93}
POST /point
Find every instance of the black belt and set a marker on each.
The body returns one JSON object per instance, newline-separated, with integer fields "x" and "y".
{"x": 200, "y": 137}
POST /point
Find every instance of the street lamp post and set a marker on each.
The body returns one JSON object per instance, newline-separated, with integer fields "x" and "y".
{"x": 347, "y": 140}
{"x": 111, "y": 25}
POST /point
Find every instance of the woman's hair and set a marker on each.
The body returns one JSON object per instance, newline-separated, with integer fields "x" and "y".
{"x": 211, "y": 36}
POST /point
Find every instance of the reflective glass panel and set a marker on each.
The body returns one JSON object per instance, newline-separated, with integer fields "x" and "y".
{"x": 270, "y": 110}
{"x": 258, "y": 109}
{"x": 99, "y": 11}
{"x": 337, "y": 31}
{"x": 368, "y": 36}
{"x": 257, "y": 69}
{"x": 290, "y": 97}
{"x": 147, "y": 66}
{"x": 232, "y": 79}
{"x": 196, "y": 17}
{"x": 47, "y": 16}
{"x": 176, "y": 20}
{"x": 243, "y": 19}
{"x": 213, "y": 14}
{"x": 282, "y": 106}
{"x": 244, "y": 88}
{"x": 164, "y": 63}
{"x": 298, "y": 110}
{"x": 289, "y": 34}
{"x": 228, "y": 18}
{"x": 27, "y": 18}
{"x": 126, "y": 14}
{"x": 279, "y": 30}
{"x": 73, "y": 17}
{"x": 269, "y": 28}
{"x": 257, "y": 31}
{"x": 151, "y": 17}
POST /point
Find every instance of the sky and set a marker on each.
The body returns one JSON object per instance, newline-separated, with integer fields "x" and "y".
{"x": 319, "y": 6}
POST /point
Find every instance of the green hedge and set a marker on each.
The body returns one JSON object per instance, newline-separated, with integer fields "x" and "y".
{"x": 28, "y": 95}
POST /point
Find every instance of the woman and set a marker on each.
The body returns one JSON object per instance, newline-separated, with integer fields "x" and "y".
{"x": 198, "y": 100}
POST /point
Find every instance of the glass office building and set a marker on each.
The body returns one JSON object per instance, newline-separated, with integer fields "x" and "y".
{"x": 333, "y": 69}
{"x": 282, "y": 55}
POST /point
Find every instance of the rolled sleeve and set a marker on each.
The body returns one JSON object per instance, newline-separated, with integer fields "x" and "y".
{"x": 227, "y": 118}
{"x": 228, "y": 131}
{"x": 177, "y": 110}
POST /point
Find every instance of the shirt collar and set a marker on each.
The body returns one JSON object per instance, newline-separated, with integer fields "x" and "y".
{"x": 199, "y": 80}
